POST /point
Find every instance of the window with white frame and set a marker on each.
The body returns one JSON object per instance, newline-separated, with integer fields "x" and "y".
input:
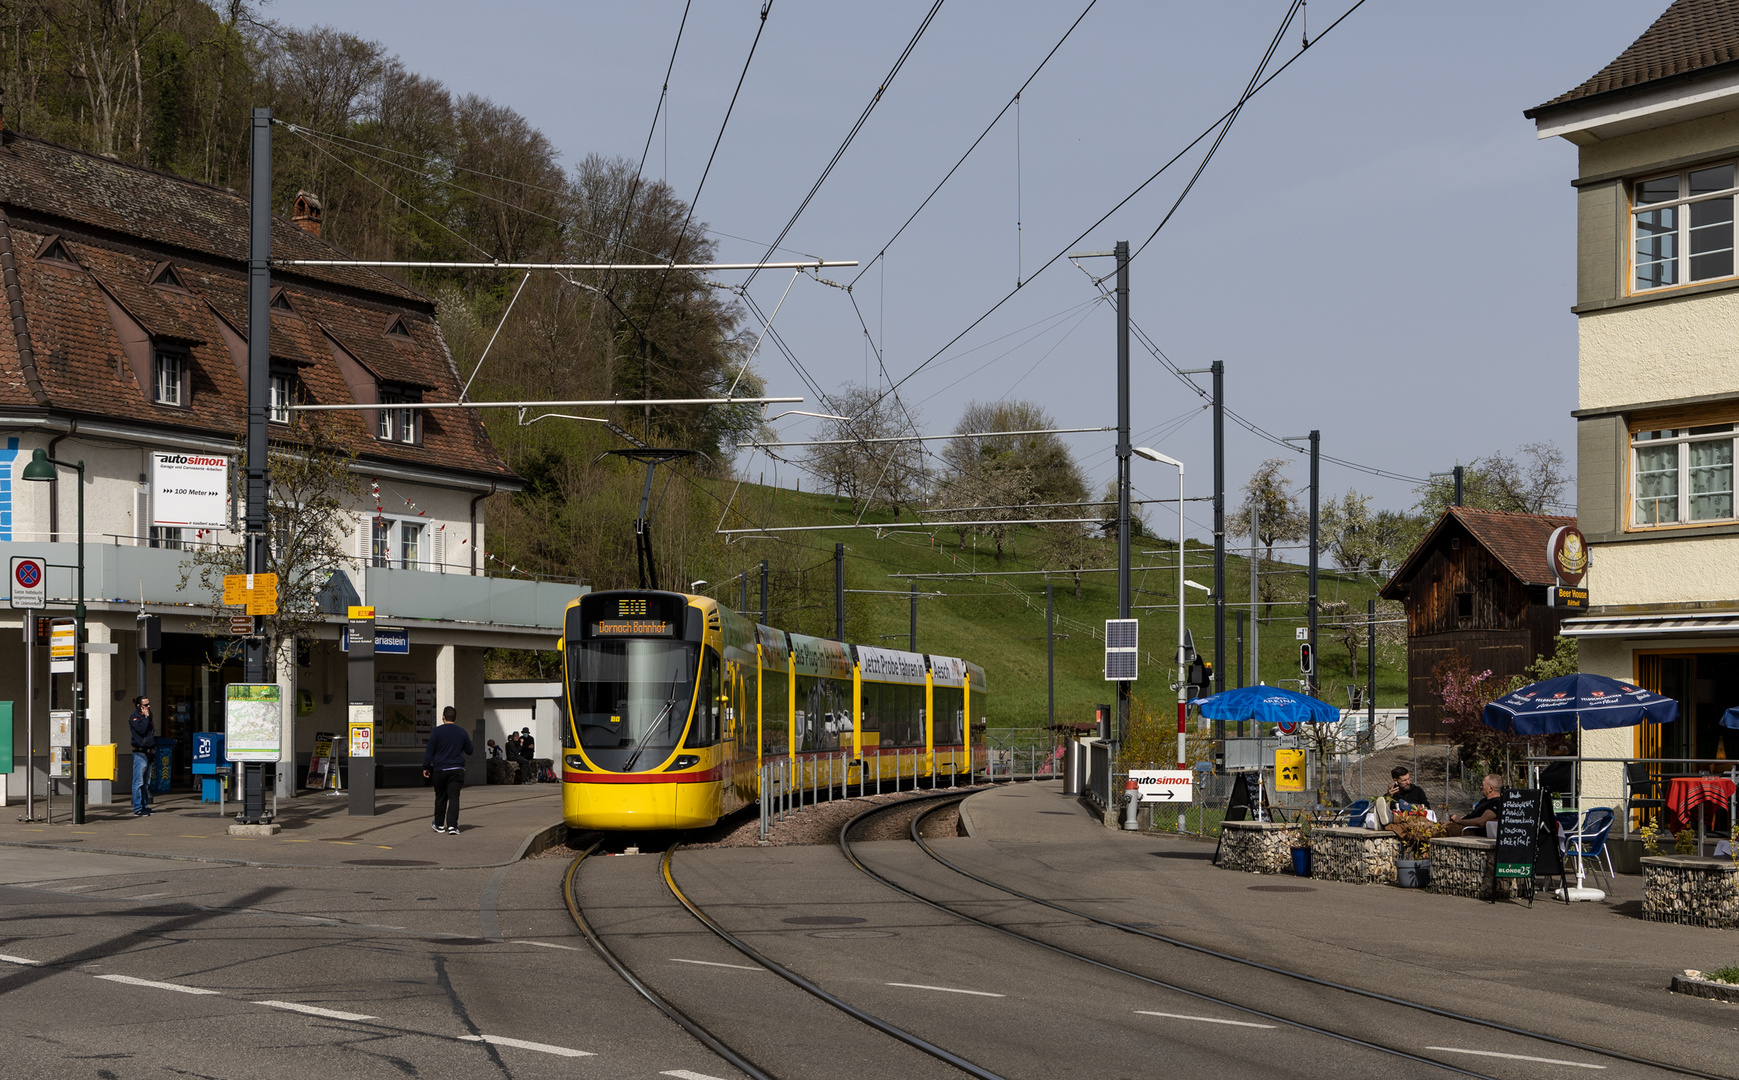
{"x": 283, "y": 396}
{"x": 397, "y": 544}
{"x": 1682, "y": 475}
{"x": 1682, "y": 227}
{"x": 410, "y": 545}
{"x": 380, "y": 542}
{"x": 169, "y": 377}
{"x": 398, "y": 425}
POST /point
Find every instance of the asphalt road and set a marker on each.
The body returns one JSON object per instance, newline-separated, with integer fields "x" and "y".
{"x": 121, "y": 967}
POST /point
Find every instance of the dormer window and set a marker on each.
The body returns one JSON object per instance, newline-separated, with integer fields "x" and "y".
{"x": 396, "y": 328}
{"x": 169, "y": 378}
{"x": 280, "y": 301}
{"x": 53, "y": 249}
{"x": 165, "y": 277}
{"x": 399, "y": 425}
{"x": 283, "y": 396}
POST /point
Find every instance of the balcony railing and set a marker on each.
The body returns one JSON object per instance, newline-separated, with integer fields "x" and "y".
{"x": 127, "y": 574}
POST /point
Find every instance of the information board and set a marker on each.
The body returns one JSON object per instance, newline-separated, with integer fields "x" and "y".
{"x": 1289, "y": 770}
{"x": 1164, "y": 785}
{"x": 60, "y": 727}
{"x": 189, "y": 490}
{"x": 62, "y": 647}
{"x": 253, "y": 721}
{"x": 1518, "y": 833}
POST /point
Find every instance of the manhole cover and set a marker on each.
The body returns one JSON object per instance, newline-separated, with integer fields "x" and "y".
{"x": 853, "y": 933}
{"x": 389, "y": 862}
{"x": 1281, "y": 888}
{"x": 824, "y": 920}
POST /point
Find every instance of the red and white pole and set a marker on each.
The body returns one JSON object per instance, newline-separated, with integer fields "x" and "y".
{"x": 1182, "y": 718}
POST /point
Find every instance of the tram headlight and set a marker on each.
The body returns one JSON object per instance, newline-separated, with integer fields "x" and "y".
{"x": 685, "y": 761}
{"x": 576, "y": 763}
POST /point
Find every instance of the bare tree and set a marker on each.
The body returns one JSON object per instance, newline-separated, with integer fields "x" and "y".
{"x": 869, "y": 462}
{"x": 997, "y": 478}
{"x": 1279, "y": 518}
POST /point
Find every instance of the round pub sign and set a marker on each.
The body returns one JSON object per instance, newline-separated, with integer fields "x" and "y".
{"x": 1567, "y": 554}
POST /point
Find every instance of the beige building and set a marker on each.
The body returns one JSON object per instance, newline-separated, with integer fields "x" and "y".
{"x": 1657, "y": 305}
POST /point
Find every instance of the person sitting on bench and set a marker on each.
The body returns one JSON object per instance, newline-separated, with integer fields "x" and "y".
{"x": 1402, "y": 789}
{"x": 1486, "y": 809}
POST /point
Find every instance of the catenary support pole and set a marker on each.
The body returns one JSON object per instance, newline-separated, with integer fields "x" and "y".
{"x": 1219, "y": 370}
{"x": 1369, "y": 741}
{"x": 1255, "y": 595}
{"x": 839, "y": 592}
{"x": 1123, "y": 452}
{"x": 1315, "y": 500}
{"x": 1459, "y": 474}
{"x": 763, "y": 591}
{"x": 912, "y": 634}
{"x": 255, "y": 551}
{"x": 1050, "y": 657}
{"x": 1239, "y": 650}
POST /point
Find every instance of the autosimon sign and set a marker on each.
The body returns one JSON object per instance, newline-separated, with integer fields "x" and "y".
{"x": 189, "y": 490}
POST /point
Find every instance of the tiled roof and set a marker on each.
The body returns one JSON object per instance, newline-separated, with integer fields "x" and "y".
{"x": 47, "y": 179}
{"x": 1518, "y": 541}
{"x": 78, "y": 314}
{"x": 1689, "y": 36}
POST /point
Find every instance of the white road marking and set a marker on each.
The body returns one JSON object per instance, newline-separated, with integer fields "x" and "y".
{"x": 130, "y": 981}
{"x": 146, "y": 896}
{"x": 684, "y": 1074}
{"x": 545, "y": 1048}
{"x": 947, "y": 989}
{"x": 311, "y": 1010}
{"x": 550, "y": 945}
{"x": 20, "y": 960}
{"x": 1515, "y": 1057}
{"x": 712, "y": 963}
{"x": 1203, "y": 1019}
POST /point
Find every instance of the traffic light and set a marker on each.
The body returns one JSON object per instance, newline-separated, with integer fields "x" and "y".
{"x": 1201, "y": 674}
{"x": 1306, "y": 661}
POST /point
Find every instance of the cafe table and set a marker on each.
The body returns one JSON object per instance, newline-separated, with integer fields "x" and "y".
{"x": 1702, "y": 796}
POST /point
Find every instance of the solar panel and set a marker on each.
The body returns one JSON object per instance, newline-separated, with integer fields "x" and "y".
{"x": 1122, "y": 649}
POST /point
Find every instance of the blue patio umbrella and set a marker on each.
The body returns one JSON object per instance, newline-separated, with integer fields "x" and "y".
{"x": 1577, "y": 701}
{"x": 1270, "y": 704}
{"x": 1730, "y": 718}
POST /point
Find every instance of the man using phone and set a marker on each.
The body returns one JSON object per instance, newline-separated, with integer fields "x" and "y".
{"x": 1402, "y": 789}
{"x": 144, "y": 739}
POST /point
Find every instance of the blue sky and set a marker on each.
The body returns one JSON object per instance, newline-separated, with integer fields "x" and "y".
{"x": 1381, "y": 249}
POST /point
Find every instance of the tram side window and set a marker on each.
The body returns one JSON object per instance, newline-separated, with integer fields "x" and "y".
{"x": 948, "y": 708}
{"x": 744, "y": 708}
{"x": 707, "y": 706}
{"x": 775, "y": 706}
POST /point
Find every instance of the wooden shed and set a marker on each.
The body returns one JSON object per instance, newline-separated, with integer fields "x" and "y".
{"x": 1475, "y": 587}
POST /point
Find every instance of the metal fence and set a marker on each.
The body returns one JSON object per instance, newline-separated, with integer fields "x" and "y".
{"x": 791, "y": 786}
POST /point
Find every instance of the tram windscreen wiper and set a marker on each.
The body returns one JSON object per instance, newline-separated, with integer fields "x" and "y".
{"x": 663, "y": 715}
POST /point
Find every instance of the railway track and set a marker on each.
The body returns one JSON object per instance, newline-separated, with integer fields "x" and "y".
{"x": 725, "y": 1043}
{"x": 1383, "y": 1000}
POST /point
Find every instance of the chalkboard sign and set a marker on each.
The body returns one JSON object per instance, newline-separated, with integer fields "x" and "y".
{"x": 1518, "y": 833}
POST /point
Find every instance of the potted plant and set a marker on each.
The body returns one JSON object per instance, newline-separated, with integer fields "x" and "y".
{"x": 1298, "y": 838}
{"x": 1413, "y": 867}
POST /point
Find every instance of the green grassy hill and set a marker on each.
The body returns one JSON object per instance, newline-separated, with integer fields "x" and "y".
{"x": 996, "y": 615}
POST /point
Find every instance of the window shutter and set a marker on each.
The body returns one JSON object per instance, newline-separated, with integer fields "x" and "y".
{"x": 364, "y": 534}
{"x": 142, "y": 516}
{"x": 438, "y": 549}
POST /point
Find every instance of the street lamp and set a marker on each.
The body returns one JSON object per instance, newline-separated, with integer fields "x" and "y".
{"x": 1182, "y": 634}
{"x": 42, "y": 470}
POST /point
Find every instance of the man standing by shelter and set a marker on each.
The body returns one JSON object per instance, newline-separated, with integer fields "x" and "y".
{"x": 444, "y": 761}
{"x": 144, "y": 740}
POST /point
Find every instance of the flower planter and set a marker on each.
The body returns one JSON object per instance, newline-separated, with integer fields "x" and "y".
{"x": 1412, "y": 873}
{"x": 1301, "y": 862}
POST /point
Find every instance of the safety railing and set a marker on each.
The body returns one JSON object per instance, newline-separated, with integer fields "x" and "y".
{"x": 789, "y": 786}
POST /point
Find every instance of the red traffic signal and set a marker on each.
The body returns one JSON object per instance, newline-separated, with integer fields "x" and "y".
{"x": 1306, "y": 661}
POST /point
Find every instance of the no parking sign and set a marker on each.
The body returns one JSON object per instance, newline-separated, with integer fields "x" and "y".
{"x": 29, "y": 582}
{"x": 1286, "y": 727}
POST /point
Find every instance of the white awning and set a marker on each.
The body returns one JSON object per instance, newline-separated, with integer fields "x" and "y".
{"x": 1723, "y": 622}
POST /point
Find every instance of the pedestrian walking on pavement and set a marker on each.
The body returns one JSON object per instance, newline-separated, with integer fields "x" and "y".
{"x": 144, "y": 738}
{"x": 444, "y": 762}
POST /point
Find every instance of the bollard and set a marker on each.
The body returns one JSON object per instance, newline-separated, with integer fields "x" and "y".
{"x": 1132, "y": 807}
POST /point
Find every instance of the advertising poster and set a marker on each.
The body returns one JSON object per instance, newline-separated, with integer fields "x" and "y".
{"x": 189, "y": 490}
{"x": 395, "y": 710}
{"x": 253, "y": 720}
{"x": 425, "y": 711}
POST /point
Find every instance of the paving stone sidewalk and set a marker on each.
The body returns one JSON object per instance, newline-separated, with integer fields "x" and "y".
{"x": 498, "y": 824}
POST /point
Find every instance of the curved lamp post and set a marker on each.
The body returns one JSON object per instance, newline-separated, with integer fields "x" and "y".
{"x": 42, "y": 470}
{"x": 1182, "y": 660}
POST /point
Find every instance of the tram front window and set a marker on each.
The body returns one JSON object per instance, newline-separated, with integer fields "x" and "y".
{"x": 631, "y": 699}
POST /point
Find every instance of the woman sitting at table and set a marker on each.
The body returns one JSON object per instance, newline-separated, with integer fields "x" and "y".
{"x": 1486, "y": 809}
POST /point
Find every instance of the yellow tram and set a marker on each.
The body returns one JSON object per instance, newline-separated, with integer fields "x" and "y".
{"x": 673, "y": 702}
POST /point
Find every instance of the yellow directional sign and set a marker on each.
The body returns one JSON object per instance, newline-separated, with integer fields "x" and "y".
{"x": 361, "y": 612}
{"x": 257, "y": 592}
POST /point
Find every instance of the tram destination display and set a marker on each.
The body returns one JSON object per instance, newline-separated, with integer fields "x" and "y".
{"x": 633, "y": 628}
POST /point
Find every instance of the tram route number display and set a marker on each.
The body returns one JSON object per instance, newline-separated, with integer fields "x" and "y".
{"x": 1518, "y": 833}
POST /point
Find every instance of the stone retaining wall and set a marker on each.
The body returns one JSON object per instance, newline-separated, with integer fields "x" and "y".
{"x": 1691, "y": 889}
{"x": 1255, "y": 847}
{"x": 1356, "y": 856}
{"x": 1461, "y": 866}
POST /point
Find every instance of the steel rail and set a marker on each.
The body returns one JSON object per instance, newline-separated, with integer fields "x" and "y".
{"x": 1373, "y": 995}
{"x": 845, "y": 847}
{"x": 801, "y": 983}
{"x": 682, "y": 1019}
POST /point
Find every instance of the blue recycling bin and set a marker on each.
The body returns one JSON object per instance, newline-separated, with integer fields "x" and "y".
{"x": 208, "y": 762}
{"x": 159, "y": 773}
